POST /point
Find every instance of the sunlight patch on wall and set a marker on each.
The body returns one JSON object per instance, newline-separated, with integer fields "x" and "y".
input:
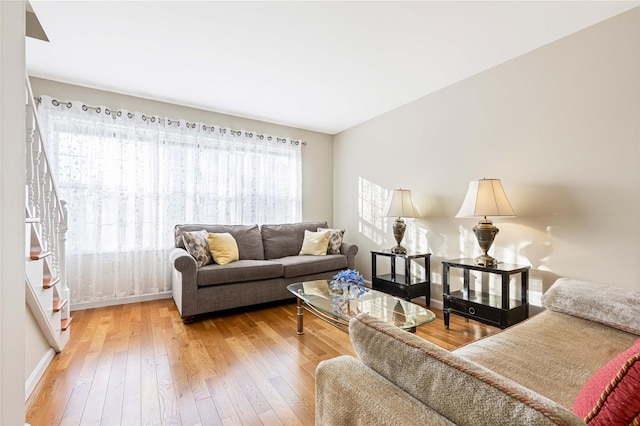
{"x": 371, "y": 201}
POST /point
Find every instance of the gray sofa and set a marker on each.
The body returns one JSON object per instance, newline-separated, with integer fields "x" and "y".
{"x": 269, "y": 261}
{"x": 529, "y": 374}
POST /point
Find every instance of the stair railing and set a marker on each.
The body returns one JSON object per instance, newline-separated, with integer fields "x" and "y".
{"x": 43, "y": 199}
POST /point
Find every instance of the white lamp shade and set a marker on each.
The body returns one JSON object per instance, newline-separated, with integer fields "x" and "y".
{"x": 400, "y": 204}
{"x": 485, "y": 197}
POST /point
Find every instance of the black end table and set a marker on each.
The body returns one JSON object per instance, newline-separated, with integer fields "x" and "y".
{"x": 497, "y": 310}
{"x": 404, "y": 285}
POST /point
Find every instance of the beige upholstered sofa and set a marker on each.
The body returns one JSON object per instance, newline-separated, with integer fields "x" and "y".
{"x": 529, "y": 374}
{"x": 268, "y": 262}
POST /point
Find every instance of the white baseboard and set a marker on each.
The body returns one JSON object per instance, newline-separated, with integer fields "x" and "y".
{"x": 122, "y": 301}
{"x": 38, "y": 372}
{"x": 437, "y": 304}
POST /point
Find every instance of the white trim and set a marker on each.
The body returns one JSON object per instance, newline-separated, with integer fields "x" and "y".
{"x": 123, "y": 301}
{"x": 437, "y": 304}
{"x": 38, "y": 372}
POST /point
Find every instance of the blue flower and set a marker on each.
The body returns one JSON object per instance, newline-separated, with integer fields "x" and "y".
{"x": 350, "y": 278}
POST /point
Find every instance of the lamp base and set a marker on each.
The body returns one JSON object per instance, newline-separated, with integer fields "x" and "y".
{"x": 399, "y": 250}
{"x": 485, "y": 232}
{"x": 485, "y": 261}
{"x": 398, "y": 233}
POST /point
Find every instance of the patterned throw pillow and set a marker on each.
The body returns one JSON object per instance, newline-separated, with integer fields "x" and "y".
{"x": 335, "y": 240}
{"x": 610, "y": 396}
{"x": 197, "y": 245}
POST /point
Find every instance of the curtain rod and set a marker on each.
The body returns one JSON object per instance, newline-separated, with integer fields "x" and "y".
{"x": 169, "y": 122}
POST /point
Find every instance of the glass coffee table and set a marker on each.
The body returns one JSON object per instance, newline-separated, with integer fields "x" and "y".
{"x": 314, "y": 296}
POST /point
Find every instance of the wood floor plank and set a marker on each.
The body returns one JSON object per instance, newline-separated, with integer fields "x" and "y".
{"x": 169, "y": 412}
{"x": 139, "y": 364}
{"x": 208, "y": 412}
{"x": 132, "y": 397}
{"x": 303, "y": 411}
{"x": 269, "y": 418}
{"x": 222, "y": 402}
{"x": 95, "y": 336}
{"x": 232, "y": 421}
{"x": 114, "y": 397}
{"x": 124, "y": 328}
{"x": 149, "y": 396}
{"x": 240, "y": 403}
{"x": 94, "y": 405}
{"x": 97, "y": 394}
{"x": 246, "y": 375}
{"x": 78, "y": 397}
{"x": 158, "y": 326}
{"x": 198, "y": 373}
{"x": 280, "y": 407}
{"x": 252, "y": 375}
{"x": 187, "y": 404}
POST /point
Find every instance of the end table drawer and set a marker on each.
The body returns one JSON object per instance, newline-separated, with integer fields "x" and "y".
{"x": 474, "y": 310}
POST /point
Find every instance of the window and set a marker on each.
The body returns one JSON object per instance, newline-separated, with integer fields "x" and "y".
{"x": 128, "y": 179}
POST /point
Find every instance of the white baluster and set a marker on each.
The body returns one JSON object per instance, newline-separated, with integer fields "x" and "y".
{"x": 30, "y": 127}
{"x": 45, "y": 202}
{"x": 62, "y": 256}
{"x": 37, "y": 186}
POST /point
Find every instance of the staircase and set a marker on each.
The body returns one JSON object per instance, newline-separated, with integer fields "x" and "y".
{"x": 47, "y": 292}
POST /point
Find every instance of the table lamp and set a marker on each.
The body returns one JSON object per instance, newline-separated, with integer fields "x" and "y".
{"x": 485, "y": 197}
{"x": 400, "y": 205}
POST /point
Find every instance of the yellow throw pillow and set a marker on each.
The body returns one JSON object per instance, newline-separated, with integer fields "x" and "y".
{"x": 223, "y": 247}
{"x": 315, "y": 243}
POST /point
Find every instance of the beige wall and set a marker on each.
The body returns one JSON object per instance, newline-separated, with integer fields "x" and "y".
{"x": 559, "y": 126}
{"x": 37, "y": 351}
{"x": 12, "y": 201}
{"x": 317, "y": 156}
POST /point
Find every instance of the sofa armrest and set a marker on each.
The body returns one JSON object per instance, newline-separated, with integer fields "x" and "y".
{"x": 349, "y": 250}
{"x": 182, "y": 260}
{"x": 184, "y": 281}
{"x": 614, "y": 307}
{"x": 349, "y": 393}
{"x": 464, "y": 392}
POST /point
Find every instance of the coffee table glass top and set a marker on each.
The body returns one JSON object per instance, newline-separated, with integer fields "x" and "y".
{"x": 401, "y": 313}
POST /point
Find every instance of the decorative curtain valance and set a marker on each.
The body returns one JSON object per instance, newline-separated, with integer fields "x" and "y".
{"x": 129, "y": 178}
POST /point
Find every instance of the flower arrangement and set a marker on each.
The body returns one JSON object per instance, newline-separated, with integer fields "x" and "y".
{"x": 349, "y": 281}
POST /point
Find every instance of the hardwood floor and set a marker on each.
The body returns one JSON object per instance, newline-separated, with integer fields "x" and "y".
{"x": 139, "y": 364}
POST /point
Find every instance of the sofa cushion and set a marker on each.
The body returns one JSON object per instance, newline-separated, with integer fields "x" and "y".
{"x": 612, "y": 395}
{"x": 614, "y": 307}
{"x": 286, "y": 239}
{"x": 464, "y": 392}
{"x": 315, "y": 243}
{"x": 240, "y": 271}
{"x": 195, "y": 242}
{"x": 335, "y": 240}
{"x": 248, "y": 238}
{"x": 297, "y": 266}
{"x": 541, "y": 353}
{"x": 223, "y": 248}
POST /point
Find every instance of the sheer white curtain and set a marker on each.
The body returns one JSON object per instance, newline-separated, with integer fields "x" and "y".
{"x": 129, "y": 179}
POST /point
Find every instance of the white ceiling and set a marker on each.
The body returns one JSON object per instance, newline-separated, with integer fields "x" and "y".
{"x": 318, "y": 65}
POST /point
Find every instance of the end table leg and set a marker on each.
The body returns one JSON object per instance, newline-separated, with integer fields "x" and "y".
{"x": 300, "y": 317}
{"x": 446, "y": 320}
